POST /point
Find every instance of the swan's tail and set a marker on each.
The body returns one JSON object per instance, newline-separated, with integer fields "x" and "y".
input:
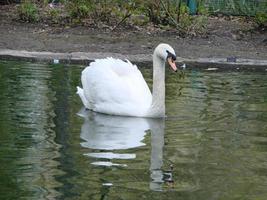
{"x": 82, "y": 96}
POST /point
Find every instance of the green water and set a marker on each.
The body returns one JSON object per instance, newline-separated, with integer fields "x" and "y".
{"x": 212, "y": 146}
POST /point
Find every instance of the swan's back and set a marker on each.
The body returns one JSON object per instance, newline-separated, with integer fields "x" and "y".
{"x": 113, "y": 86}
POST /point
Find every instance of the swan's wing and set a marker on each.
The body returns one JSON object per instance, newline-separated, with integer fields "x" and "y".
{"x": 113, "y": 86}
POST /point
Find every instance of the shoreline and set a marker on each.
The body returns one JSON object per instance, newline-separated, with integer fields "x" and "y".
{"x": 84, "y": 58}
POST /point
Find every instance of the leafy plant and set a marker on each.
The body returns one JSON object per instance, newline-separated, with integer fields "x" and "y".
{"x": 28, "y": 12}
{"x": 261, "y": 19}
{"x": 202, "y": 8}
{"x": 79, "y": 8}
{"x": 166, "y": 14}
{"x": 54, "y": 15}
{"x": 193, "y": 25}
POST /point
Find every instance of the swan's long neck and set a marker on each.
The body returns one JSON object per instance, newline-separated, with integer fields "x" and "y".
{"x": 157, "y": 108}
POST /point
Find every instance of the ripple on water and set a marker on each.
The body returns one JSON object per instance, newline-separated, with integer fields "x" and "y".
{"x": 212, "y": 145}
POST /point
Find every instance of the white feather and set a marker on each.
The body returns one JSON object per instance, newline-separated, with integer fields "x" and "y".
{"x": 117, "y": 87}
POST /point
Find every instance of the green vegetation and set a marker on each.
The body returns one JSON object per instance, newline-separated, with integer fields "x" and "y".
{"x": 261, "y": 19}
{"x": 237, "y": 7}
{"x": 164, "y": 14}
{"x": 28, "y": 11}
{"x": 255, "y": 9}
{"x": 79, "y": 8}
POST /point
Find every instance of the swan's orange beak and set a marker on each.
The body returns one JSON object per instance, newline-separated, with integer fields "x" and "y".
{"x": 172, "y": 64}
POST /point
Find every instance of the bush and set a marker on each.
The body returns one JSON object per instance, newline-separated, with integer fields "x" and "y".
{"x": 79, "y": 8}
{"x": 54, "y": 15}
{"x": 162, "y": 13}
{"x": 261, "y": 19}
{"x": 28, "y": 12}
{"x": 193, "y": 25}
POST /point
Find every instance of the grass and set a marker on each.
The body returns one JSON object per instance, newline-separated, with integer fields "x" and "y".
{"x": 28, "y": 12}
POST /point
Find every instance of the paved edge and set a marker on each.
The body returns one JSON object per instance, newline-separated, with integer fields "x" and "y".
{"x": 83, "y": 58}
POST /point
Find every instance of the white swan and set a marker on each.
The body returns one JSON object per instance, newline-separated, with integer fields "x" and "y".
{"x": 116, "y": 87}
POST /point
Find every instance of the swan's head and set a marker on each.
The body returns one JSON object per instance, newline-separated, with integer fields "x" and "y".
{"x": 166, "y": 52}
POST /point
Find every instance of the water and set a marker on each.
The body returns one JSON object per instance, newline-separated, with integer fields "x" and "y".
{"x": 213, "y": 145}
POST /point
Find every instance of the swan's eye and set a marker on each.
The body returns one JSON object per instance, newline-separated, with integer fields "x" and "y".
{"x": 170, "y": 55}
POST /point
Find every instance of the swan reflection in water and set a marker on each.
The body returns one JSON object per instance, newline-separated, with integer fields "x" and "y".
{"x": 106, "y": 132}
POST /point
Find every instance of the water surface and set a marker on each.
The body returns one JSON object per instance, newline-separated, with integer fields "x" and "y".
{"x": 212, "y": 145}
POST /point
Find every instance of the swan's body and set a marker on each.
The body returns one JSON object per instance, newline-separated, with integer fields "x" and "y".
{"x": 116, "y": 87}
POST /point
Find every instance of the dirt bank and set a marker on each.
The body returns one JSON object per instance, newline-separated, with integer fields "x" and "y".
{"x": 225, "y": 38}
